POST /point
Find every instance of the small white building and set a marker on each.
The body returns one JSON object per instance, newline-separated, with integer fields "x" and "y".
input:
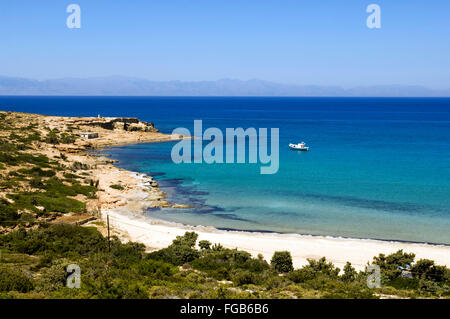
{"x": 89, "y": 135}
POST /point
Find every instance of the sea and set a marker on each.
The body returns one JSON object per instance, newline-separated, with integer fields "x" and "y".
{"x": 377, "y": 168}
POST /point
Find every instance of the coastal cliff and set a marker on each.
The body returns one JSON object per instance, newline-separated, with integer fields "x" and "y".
{"x": 129, "y": 124}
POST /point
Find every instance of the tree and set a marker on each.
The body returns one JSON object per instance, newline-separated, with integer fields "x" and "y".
{"x": 349, "y": 274}
{"x": 426, "y": 269}
{"x": 391, "y": 265}
{"x": 181, "y": 250}
{"x": 323, "y": 267}
{"x": 282, "y": 261}
{"x": 189, "y": 239}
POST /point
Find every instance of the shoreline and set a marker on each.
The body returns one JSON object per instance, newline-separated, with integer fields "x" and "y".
{"x": 156, "y": 234}
{"x": 130, "y": 223}
{"x": 264, "y": 231}
{"x": 329, "y": 236}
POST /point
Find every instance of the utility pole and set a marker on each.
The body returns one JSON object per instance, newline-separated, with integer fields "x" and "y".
{"x": 109, "y": 242}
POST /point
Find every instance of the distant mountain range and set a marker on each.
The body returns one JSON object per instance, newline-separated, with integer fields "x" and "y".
{"x": 119, "y": 85}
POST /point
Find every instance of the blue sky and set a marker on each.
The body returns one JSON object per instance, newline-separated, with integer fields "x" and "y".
{"x": 322, "y": 42}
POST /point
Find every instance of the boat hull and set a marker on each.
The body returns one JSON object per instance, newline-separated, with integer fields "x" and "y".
{"x": 304, "y": 149}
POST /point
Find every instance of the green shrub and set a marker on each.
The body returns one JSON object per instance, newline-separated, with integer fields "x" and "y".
{"x": 301, "y": 275}
{"x": 58, "y": 239}
{"x": 37, "y": 171}
{"x": 8, "y": 215}
{"x": 54, "y": 185}
{"x": 54, "y": 277}
{"x": 13, "y": 158}
{"x": 155, "y": 268}
{"x": 426, "y": 269}
{"x": 52, "y": 202}
{"x": 13, "y": 280}
{"x": 126, "y": 254}
{"x": 244, "y": 277}
{"x": 323, "y": 267}
{"x": 349, "y": 273}
{"x": 282, "y": 261}
{"x": 115, "y": 186}
{"x": 36, "y": 182}
{"x": 67, "y": 138}
{"x": 181, "y": 250}
{"x": 391, "y": 265}
{"x": 204, "y": 244}
{"x": 52, "y": 138}
{"x": 71, "y": 176}
{"x": 222, "y": 263}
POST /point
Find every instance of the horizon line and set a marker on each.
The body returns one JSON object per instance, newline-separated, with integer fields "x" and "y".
{"x": 230, "y": 96}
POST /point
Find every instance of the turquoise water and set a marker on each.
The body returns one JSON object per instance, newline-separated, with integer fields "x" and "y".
{"x": 377, "y": 168}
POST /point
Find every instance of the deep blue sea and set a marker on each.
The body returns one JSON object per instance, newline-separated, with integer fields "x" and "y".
{"x": 377, "y": 167}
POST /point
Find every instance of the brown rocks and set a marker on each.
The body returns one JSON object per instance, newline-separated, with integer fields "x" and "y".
{"x": 154, "y": 184}
{"x": 113, "y": 123}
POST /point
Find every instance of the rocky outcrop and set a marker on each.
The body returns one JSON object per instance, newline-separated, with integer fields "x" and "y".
{"x": 130, "y": 124}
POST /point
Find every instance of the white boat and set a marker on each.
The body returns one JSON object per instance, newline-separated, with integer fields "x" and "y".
{"x": 299, "y": 147}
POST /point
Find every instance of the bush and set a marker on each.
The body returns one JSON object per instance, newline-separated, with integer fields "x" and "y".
{"x": 155, "y": 268}
{"x": 67, "y": 138}
{"x": 37, "y": 171}
{"x": 13, "y": 280}
{"x": 52, "y": 202}
{"x": 58, "y": 239}
{"x": 204, "y": 244}
{"x": 70, "y": 176}
{"x": 181, "y": 250}
{"x": 54, "y": 277}
{"x": 426, "y": 269}
{"x": 244, "y": 278}
{"x": 36, "y": 182}
{"x": 52, "y": 138}
{"x": 126, "y": 254}
{"x": 223, "y": 263}
{"x": 391, "y": 265}
{"x": 282, "y": 261}
{"x": 301, "y": 275}
{"x": 118, "y": 187}
{"x": 8, "y": 215}
{"x": 323, "y": 267}
{"x": 349, "y": 274}
{"x": 56, "y": 186}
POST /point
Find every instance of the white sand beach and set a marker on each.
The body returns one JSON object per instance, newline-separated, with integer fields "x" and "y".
{"x": 156, "y": 234}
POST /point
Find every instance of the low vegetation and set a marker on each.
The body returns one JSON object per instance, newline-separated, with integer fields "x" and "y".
{"x": 118, "y": 187}
{"x": 34, "y": 187}
{"x": 34, "y": 264}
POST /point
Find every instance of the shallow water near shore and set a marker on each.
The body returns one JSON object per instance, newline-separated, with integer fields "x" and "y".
{"x": 377, "y": 168}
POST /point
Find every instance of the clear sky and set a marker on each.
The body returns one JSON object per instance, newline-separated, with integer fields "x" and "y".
{"x": 322, "y": 42}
